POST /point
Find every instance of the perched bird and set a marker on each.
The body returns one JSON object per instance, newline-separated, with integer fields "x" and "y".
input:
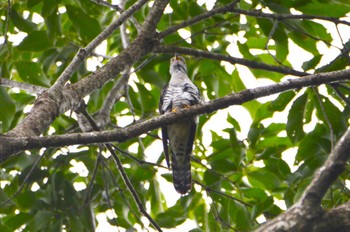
{"x": 179, "y": 93}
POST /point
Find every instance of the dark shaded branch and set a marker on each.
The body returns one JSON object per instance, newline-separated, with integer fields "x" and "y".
{"x": 230, "y": 59}
{"x": 10, "y": 145}
{"x": 122, "y": 172}
{"x": 260, "y": 14}
{"x": 196, "y": 19}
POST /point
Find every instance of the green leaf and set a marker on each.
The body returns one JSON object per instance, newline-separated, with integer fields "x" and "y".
{"x": 311, "y": 64}
{"x": 5, "y": 228}
{"x": 49, "y": 7}
{"x": 87, "y": 26}
{"x": 329, "y": 113}
{"x": 172, "y": 217}
{"x": 31, "y": 72}
{"x": 35, "y": 41}
{"x": 295, "y": 122}
{"x": 304, "y": 42}
{"x": 323, "y": 8}
{"x": 8, "y": 109}
{"x": 16, "y": 221}
{"x": 242, "y": 218}
{"x": 314, "y": 144}
{"x": 263, "y": 178}
{"x": 21, "y": 23}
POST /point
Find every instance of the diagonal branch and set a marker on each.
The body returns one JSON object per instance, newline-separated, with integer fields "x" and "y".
{"x": 10, "y": 145}
{"x": 305, "y": 215}
{"x": 83, "y": 53}
{"x": 50, "y": 105}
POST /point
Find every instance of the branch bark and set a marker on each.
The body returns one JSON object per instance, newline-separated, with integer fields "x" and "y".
{"x": 53, "y": 103}
{"x": 10, "y": 145}
{"x": 307, "y": 214}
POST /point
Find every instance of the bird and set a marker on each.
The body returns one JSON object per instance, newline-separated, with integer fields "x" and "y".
{"x": 179, "y": 93}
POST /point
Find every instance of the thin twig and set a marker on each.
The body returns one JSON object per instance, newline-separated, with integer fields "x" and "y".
{"x": 209, "y": 190}
{"x": 121, "y": 191}
{"x": 123, "y": 174}
{"x": 272, "y": 32}
{"x": 199, "y": 18}
{"x": 37, "y": 161}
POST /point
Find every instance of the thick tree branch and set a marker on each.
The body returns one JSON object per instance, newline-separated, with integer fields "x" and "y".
{"x": 49, "y": 106}
{"x": 10, "y": 145}
{"x": 230, "y": 59}
{"x": 307, "y": 214}
{"x": 83, "y": 53}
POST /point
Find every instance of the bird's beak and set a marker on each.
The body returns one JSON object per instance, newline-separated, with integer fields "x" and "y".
{"x": 177, "y": 57}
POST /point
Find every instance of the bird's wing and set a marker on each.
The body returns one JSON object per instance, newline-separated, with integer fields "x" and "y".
{"x": 162, "y": 109}
{"x": 165, "y": 140}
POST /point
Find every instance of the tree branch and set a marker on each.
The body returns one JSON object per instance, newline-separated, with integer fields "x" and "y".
{"x": 10, "y": 145}
{"x": 49, "y": 105}
{"x": 230, "y": 59}
{"x": 83, "y": 53}
{"x": 258, "y": 14}
{"x": 199, "y": 18}
{"x": 305, "y": 215}
{"x": 24, "y": 86}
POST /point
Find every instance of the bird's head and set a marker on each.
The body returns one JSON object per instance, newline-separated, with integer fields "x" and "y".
{"x": 177, "y": 64}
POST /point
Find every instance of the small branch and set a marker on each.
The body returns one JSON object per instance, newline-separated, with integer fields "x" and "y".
{"x": 37, "y": 161}
{"x": 122, "y": 172}
{"x": 230, "y": 59}
{"x": 230, "y": 8}
{"x": 55, "y": 102}
{"x": 24, "y": 86}
{"x": 199, "y": 18}
{"x": 260, "y": 14}
{"x": 211, "y": 190}
{"x": 10, "y": 145}
{"x": 83, "y": 53}
{"x": 107, "y": 4}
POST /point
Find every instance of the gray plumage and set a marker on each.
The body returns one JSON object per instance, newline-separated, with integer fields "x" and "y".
{"x": 179, "y": 93}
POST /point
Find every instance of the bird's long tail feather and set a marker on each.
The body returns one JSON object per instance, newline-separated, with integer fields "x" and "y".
{"x": 182, "y": 173}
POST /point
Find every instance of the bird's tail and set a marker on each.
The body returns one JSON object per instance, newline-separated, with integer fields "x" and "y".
{"x": 181, "y": 166}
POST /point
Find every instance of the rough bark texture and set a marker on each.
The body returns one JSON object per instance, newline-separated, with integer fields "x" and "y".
{"x": 53, "y": 103}
{"x": 307, "y": 214}
{"x": 120, "y": 135}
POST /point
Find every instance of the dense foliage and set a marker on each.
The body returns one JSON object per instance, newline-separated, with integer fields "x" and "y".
{"x": 243, "y": 174}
